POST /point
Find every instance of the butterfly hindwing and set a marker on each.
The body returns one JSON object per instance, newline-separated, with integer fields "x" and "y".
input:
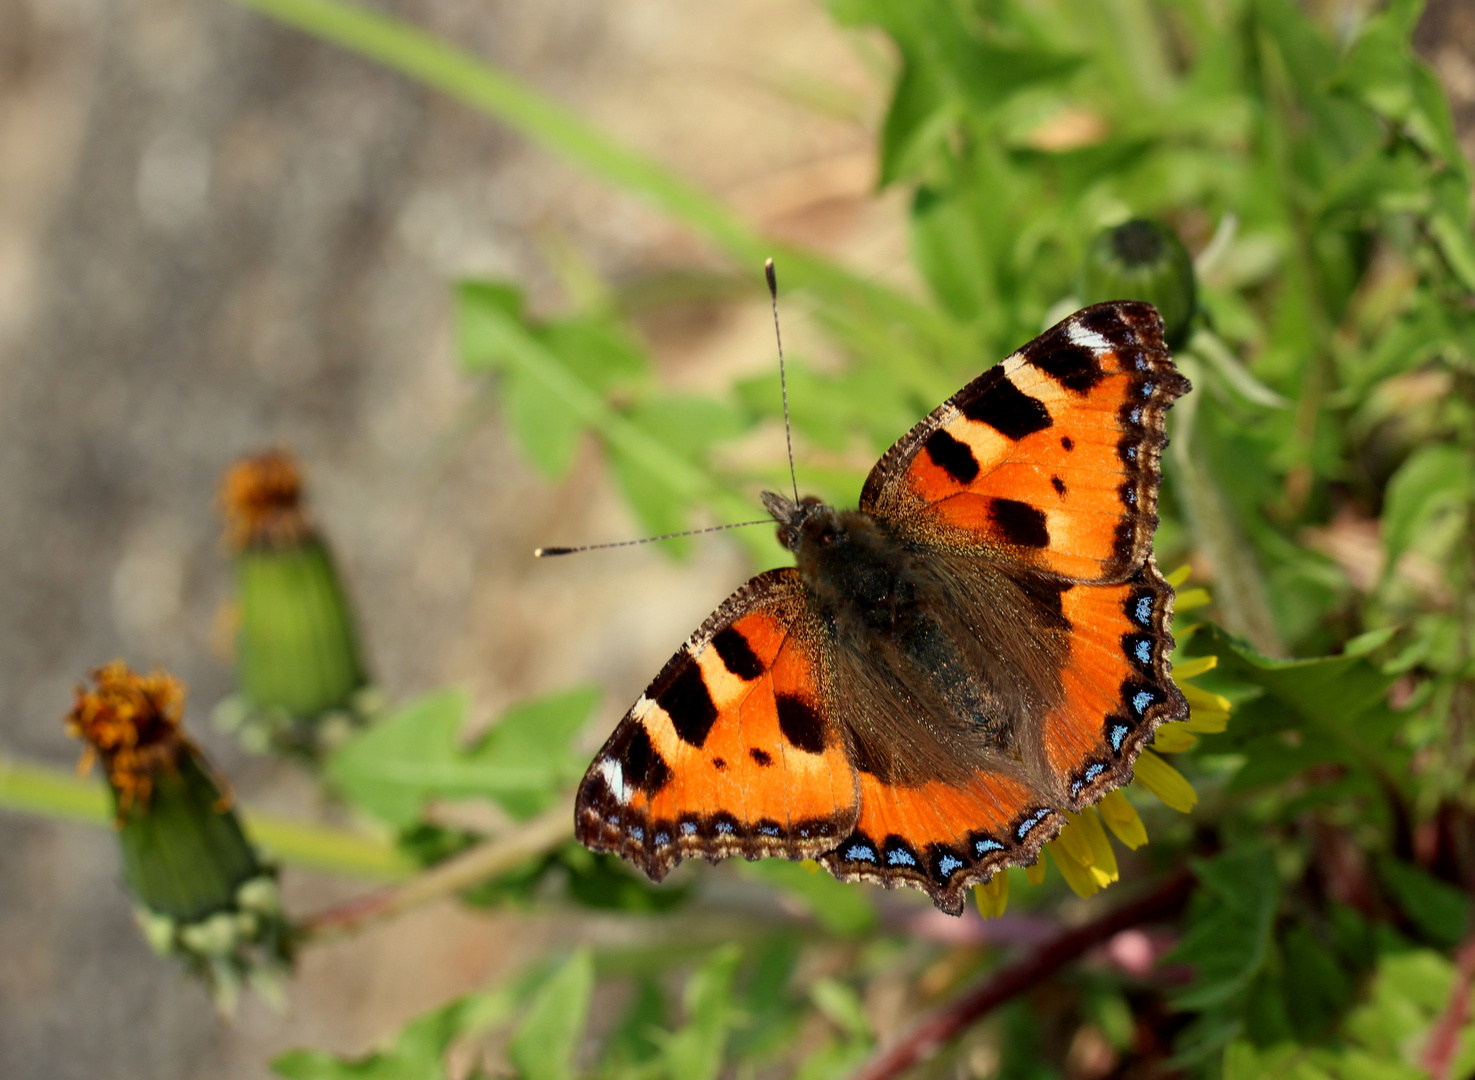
{"x": 943, "y": 838}
{"x": 731, "y": 751}
{"x": 1051, "y": 457}
{"x": 1116, "y": 684}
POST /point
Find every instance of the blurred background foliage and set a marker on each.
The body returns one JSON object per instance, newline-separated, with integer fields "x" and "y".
{"x": 1320, "y": 484}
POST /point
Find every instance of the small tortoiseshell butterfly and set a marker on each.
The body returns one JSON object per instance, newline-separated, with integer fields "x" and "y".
{"x": 980, "y": 646}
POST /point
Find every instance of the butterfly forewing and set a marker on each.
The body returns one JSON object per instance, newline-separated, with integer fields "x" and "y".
{"x": 732, "y": 749}
{"x": 1051, "y": 457}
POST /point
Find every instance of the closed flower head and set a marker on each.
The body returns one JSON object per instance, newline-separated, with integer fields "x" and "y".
{"x": 262, "y": 497}
{"x": 131, "y": 722}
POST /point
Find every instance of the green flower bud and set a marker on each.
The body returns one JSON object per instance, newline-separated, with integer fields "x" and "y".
{"x": 203, "y": 893}
{"x": 1143, "y": 260}
{"x": 300, "y": 672}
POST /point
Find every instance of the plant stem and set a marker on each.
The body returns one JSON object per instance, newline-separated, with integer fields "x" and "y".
{"x": 52, "y": 793}
{"x": 1444, "y": 1038}
{"x": 455, "y": 875}
{"x": 928, "y": 1036}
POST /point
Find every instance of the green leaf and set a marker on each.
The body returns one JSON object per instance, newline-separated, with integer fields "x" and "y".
{"x": 695, "y": 1051}
{"x": 1435, "y": 480}
{"x": 413, "y": 755}
{"x": 418, "y": 1053}
{"x": 1229, "y": 936}
{"x": 688, "y": 427}
{"x": 1437, "y": 908}
{"x": 1335, "y": 706}
{"x": 842, "y": 1007}
{"x": 633, "y": 1042}
{"x": 544, "y": 1044}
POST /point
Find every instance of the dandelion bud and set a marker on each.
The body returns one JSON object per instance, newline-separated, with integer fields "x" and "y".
{"x": 203, "y": 894}
{"x": 302, "y": 683}
{"x": 1143, "y": 260}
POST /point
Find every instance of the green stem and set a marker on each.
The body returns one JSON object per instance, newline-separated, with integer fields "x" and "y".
{"x": 52, "y": 793}
{"x": 549, "y": 830}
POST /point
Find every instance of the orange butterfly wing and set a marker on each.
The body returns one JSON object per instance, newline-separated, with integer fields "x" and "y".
{"x": 731, "y": 750}
{"x": 1051, "y": 457}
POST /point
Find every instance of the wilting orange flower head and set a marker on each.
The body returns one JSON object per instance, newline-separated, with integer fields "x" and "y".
{"x": 131, "y": 722}
{"x": 262, "y": 497}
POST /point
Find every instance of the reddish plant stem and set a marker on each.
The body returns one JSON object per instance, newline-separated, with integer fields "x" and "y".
{"x": 929, "y": 1035}
{"x": 1444, "y": 1036}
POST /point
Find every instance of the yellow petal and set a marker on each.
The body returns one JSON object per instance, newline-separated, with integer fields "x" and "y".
{"x": 1188, "y": 669}
{"x": 1206, "y": 721}
{"x": 1035, "y": 872}
{"x": 1121, "y": 816}
{"x": 1199, "y": 698}
{"x": 1172, "y": 739}
{"x": 1074, "y": 842}
{"x": 1190, "y": 599}
{"x": 1166, "y": 782}
{"x": 1180, "y": 575}
{"x": 992, "y": 896}
{"x": 1080, "y": 879}
{"x": 1104, "y": 861}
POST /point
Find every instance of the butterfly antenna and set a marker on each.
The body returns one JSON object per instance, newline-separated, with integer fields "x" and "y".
{"x": 549, "y": 552}
{"x": 783, "y": 381}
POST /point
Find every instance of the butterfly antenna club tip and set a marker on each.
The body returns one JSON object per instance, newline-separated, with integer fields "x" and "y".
{"x": 783, "y": 382}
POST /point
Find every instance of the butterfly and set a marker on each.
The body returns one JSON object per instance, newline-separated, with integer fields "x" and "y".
{"x": 979, "y": 647}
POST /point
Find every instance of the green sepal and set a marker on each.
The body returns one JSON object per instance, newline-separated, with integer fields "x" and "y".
{"x": 1143, "y": 259}
{"x": 299, "y": 667}
{"x": 203, "y": 894}
{"x": 184, "y": 855}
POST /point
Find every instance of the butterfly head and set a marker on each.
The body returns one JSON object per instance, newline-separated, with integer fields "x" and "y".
{"x": 807, "y": 521}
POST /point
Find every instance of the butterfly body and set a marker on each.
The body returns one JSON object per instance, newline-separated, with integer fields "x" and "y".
{"x": 981, "y": 645}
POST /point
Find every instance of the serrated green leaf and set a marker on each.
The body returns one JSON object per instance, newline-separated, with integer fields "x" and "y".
{"x": 1229, "y": 936}
{"x": 413, "y": 755}
{"x": 1336, "y": 703}
{"x": 544, "y": 1044}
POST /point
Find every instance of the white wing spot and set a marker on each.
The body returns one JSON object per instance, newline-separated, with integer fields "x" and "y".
{"x": 1087, "y": 339}
{"x": 614, "y": 776}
